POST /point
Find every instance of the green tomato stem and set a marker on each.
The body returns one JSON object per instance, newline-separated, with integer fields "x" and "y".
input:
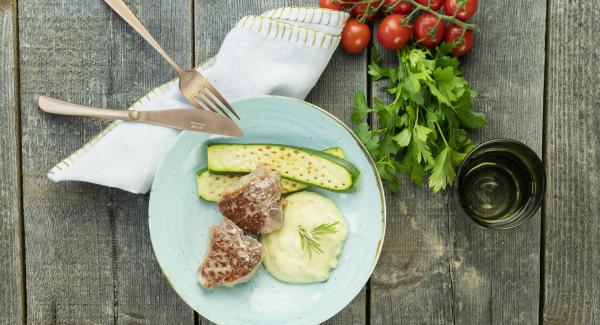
{"x": 419, "y": 6}
{"x": 451, "y": 19}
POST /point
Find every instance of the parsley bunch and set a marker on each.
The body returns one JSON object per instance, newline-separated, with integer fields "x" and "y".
{"x": 422, "y": 131}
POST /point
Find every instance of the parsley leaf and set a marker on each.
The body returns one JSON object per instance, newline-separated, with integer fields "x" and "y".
{"x": 443, "y": 172}
{"x": 361, "y": 109}
{"x": 403, "y": 138}
{"x": 368, "y": 138}
{"x": 376, "y": 70}
{"x": 449, "y": 87}
{"x": 422, "y": 132}
{"x": 419, "y": 149}
{"x": 465, "y": 112}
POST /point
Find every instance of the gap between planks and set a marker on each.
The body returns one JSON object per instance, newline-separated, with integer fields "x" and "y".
{"x": 370, "y": 122}
{"x": 20, "y": 225}
{"x": 542, "y": 296}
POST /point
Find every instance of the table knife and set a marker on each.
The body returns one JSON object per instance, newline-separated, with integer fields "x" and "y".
{"x": 178, "y": 118}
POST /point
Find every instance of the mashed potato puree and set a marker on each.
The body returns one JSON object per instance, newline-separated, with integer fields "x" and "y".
{"x": 285, "y": 258}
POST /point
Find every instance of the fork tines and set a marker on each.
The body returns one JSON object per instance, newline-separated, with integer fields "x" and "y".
{"x": 211, "y": 99}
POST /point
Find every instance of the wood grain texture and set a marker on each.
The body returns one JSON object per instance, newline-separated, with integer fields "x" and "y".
{"x": 411, "y": 283}
{"x": 88, "y": 253}
{"x": 495, "y": 273}
{"x": 438, "y": 267}
{"x": 334, "y": 91}
{"x": 572, "y": 238}
{"x": 11, "y": 273}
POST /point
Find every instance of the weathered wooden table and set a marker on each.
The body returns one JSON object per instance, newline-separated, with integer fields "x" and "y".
{"x": 80, "y": 254}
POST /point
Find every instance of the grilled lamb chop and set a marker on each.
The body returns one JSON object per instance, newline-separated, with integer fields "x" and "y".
{"x": 231, "y": 258}
{"x": 254, "y": 203}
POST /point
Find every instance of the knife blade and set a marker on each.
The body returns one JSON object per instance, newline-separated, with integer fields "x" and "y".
{"x": 178, "y": 118}
{"x": 191, "y": 119}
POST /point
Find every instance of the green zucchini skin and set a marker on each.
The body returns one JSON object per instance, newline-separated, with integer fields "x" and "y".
{"x": 336, "y": 151}
{"x": 352, "y": 172}
{"x": 209, "y": 194}
{"x": 201, "y": 190}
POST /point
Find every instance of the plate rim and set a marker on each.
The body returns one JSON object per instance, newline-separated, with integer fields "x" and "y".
{"x": 361, "y": 146}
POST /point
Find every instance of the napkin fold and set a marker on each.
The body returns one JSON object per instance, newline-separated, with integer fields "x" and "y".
{"x": 282, "y": 52}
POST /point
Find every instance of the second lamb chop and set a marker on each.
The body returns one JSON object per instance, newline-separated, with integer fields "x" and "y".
{"x": 232, "y": 257}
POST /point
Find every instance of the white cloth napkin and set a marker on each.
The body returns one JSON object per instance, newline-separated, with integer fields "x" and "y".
{"x": 282, "y": 52}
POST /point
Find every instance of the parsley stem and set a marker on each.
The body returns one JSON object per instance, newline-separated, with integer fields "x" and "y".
{"x": 416, "y": 118}
{"x": 441, "y": 133}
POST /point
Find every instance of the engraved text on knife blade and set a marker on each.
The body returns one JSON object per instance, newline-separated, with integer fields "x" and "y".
{"x": 197, "y": 125}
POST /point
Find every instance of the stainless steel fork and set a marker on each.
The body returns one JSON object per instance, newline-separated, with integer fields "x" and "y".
{"x": 192, "y": 84}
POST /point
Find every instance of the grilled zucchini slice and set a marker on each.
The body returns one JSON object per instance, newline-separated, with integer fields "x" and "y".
{"x": 211, "y": 187}
{"x": 299, "y": 164}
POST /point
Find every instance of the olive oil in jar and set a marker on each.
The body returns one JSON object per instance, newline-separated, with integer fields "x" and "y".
{"x": 500, "y": 184}
{"x": 495, "y": 186}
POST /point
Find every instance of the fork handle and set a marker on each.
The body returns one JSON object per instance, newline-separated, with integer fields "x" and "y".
{"x": 55, "y": 106}
{"x": 121, "y": 8}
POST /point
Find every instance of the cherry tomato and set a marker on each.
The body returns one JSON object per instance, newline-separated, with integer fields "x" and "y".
{"x": 433, "y": 4}
{"x": 421, "y": 31}
{"x": 355, "y": 36}
{"x": 453, "y": 34}
{"x": 398, "y": 7}
{"x": 466, "y": 12}
{"x": 392, "y": 34}
{"x": 330, "y": 4}
{"x": 361, "y": 10}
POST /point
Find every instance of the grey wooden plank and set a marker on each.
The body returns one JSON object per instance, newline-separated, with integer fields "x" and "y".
{"x": 334, "y": 91}
{"x": 11, "y": 272}
{"x": 496, "y": 274}
{"x": 411, "y": 283}
{"x": 438, "y": 267}
{"x": 67, "y": 226}
{"x": 143, "y": 295}
{"x": 88, "y": 253}
{"x": 572, "y": 231}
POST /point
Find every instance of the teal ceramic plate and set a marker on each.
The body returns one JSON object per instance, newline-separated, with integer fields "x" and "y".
{"x": 179, "y": 220}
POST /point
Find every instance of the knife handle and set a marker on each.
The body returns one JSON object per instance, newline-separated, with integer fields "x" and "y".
{"x": 55, "y": 106}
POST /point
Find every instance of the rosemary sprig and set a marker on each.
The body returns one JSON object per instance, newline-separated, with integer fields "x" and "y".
{"x": 325, "y": 229}
{"x": 309, "y": 241}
